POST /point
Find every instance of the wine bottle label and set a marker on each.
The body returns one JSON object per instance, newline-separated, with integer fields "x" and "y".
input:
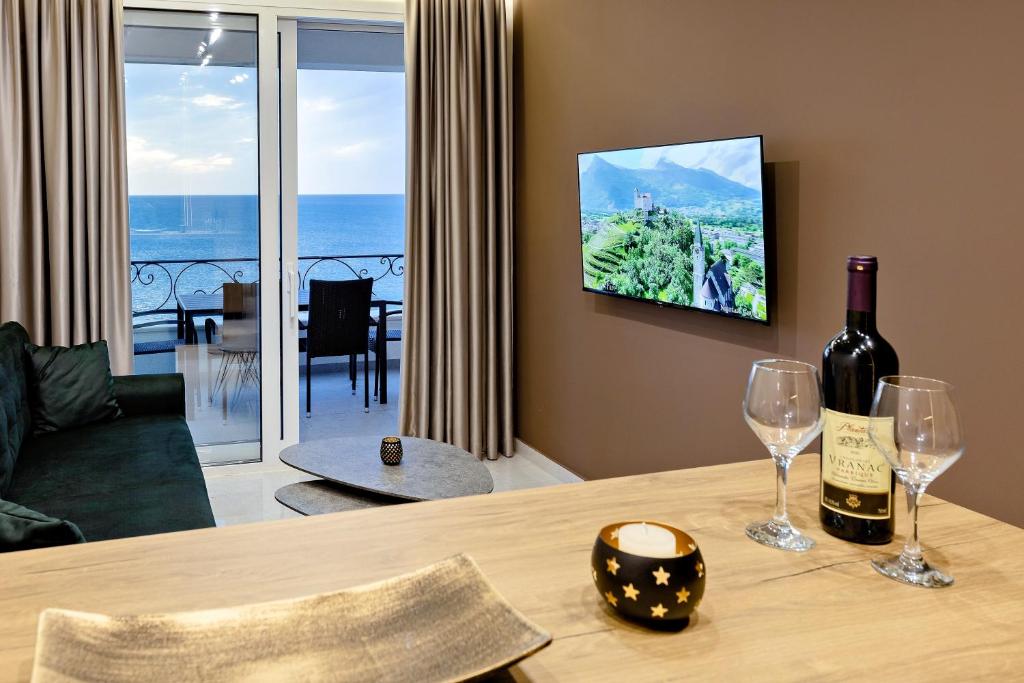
{"x": 855, "y": 478}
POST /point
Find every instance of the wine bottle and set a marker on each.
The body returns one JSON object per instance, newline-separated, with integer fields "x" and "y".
{"x": 857, "y": 485}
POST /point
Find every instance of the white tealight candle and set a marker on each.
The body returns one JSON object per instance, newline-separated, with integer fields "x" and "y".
{"x": 647, "y": 540}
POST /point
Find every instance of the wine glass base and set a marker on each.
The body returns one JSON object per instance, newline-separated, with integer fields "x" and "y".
{"x": 918, "y": 573}
{"x": 776, "y": 535}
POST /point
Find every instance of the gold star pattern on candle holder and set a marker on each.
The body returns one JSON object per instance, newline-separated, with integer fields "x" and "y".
{"x": 658, "y": 611}
{"x": 610, "y": 597}
{"x": 631, "y": 592}
{"x": 613, "y": 565}
{"x": 700, "y": 569}
{"x": 661, "y": 577}
{"x": 614, "y": 533}
{"x": 682, "y": 595}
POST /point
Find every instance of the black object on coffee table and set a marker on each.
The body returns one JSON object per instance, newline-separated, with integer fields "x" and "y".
{"x": 391, "y": 450}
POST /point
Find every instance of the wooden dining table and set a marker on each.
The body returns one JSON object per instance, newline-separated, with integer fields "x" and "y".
{"x": 767, "y": 614}
{"x": 191, "y": 306}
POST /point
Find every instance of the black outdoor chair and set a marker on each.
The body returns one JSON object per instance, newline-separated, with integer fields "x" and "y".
{"x": 339, "y": 325}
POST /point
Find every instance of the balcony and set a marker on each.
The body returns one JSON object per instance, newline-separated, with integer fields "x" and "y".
{"x": 170, "y": 337}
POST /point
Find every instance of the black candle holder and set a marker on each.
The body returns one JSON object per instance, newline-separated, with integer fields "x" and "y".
{"x": 650, "y": 590}
{"x": 391, "y": 450}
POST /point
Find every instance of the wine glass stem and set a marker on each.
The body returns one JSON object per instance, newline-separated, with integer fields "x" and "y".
{"x": 912, "y": 548}
{"x": 781, "y": 475}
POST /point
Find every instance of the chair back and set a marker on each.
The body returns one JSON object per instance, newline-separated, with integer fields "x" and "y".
{"x": 339, "y": 317}
{"x": 241, "y": 317}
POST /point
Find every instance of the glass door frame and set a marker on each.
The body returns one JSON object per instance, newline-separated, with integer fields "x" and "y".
{"x": 278, "y": 186}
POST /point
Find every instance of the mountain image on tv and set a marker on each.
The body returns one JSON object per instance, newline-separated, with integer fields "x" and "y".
{"x": 679, "y": 224}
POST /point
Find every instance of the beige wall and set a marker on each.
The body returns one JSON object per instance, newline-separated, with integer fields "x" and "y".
{"x": 894, "y": 128}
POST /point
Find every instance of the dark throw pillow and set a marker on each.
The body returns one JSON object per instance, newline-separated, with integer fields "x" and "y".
{"x": 24, "y": 529}
{"x": 70, "y": 387}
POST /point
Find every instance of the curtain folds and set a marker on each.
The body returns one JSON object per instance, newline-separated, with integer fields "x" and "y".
{"x": 457, "y": 364}
{"x": 64, "y": 248}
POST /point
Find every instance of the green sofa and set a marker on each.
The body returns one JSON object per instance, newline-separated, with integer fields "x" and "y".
{"x": 135, "y": 475}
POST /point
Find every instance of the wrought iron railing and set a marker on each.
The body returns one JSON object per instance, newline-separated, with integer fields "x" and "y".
{"x": 156, "y": 283}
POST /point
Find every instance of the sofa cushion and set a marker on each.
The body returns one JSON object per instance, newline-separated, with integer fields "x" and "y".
{"x": 130, "y": 477}
{"x": 162, "y": 394}
{"x": 24, "y": 529}
{"x": 70, "y": 386}
{"x": 15, "y": 415}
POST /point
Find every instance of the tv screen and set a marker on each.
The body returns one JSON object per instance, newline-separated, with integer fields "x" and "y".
{"x": 679, "y": 225}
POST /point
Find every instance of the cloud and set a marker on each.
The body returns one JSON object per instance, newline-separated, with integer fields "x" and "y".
{"x": 738, "y": 160}
{"x": 214, "y": 162}
{"x": 240, "y": 78}
{"x": 143, "y": 156}
{"x": 318, "y": 104}
{"x": 216, "y": 101}
{"x": 352, "y": 150}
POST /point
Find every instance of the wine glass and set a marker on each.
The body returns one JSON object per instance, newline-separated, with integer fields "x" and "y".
{"x": 784, "y": 408}
{"x": 916, "y": 426}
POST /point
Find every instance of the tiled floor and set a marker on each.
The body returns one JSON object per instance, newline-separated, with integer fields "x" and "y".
{"x": 337, "y": 412}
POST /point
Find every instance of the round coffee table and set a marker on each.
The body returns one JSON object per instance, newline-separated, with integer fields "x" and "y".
{"x": 353, "y": 476}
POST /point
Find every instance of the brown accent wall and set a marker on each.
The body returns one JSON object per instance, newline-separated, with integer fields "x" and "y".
{"x": 893, "y": 128}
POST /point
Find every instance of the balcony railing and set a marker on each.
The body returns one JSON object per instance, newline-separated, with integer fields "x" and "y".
{"x": 156, "y": 283}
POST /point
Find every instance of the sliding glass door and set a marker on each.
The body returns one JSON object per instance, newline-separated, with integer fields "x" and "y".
{"x": 347, "y": 172}
{"x": 191, "y": 102}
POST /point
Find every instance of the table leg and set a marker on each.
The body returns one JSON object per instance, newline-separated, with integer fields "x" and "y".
{"x": 181, "y": 321}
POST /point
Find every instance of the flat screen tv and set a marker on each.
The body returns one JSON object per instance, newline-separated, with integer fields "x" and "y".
{"x": 679, "y": 225}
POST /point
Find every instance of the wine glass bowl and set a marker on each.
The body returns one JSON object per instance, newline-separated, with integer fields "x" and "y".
{"x": 783, "y": 442}
{"x": 783, "y": 407}
{"x": 916, "y": 426}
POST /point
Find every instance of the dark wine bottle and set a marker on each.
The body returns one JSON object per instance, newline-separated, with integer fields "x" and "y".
{"x": 857, "y": 485}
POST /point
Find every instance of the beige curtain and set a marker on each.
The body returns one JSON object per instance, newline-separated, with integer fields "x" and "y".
{"x": 63, "y": 194}
{"x": 457, "y": 364}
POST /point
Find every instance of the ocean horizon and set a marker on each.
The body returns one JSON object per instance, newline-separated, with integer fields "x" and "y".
{"x": 198, "y": 227}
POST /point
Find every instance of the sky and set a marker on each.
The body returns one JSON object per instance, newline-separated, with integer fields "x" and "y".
{"x": 193, "y": 130}
{"x": 351, "y": 132}
{"x": 738, "y": 160}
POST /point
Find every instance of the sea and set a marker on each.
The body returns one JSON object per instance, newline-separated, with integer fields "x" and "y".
{"x": 197, "y": 227}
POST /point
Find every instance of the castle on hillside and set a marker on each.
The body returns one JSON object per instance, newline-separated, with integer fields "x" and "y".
{"x": 698, "y": 266}
{"x": 642, "y": 201}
